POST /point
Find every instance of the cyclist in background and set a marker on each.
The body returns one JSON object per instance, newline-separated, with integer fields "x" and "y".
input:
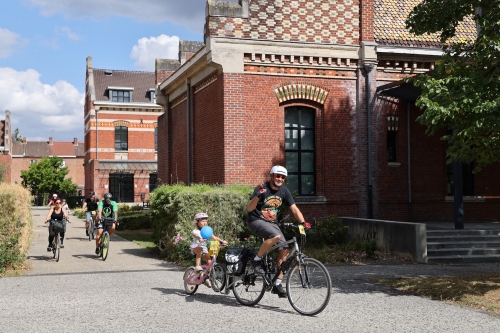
{"x": 65, "y": 207}
{"x": 90, "y": 204}
{"x": 55, "y": 213}
{"x": 107, "y": 209}
{"x": 52, "y": 200}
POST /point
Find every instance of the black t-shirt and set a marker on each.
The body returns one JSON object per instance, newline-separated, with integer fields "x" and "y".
{"x": 91, "y": 204}
{"x": 269, "y": 203}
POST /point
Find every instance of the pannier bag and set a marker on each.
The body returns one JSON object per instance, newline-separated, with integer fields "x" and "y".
{"x": 236, "y": 260}
{"x": 57, "y": 226}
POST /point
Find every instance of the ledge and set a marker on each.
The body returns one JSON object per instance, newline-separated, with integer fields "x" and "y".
{"x": 450, "y": 198}
{"x": 310, "y": 200}
{"x": 393, "y": 164}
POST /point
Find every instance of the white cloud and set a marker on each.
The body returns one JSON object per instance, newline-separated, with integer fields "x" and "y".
{"x": 187, "y": 13}
{"x": 70, "y": 34}
{"x": 8, "y": 41}
{"x": 148, "y": 49}
{"x": 38, "y": 109}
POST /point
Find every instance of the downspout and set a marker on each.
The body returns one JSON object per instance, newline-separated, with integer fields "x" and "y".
{"x": 369, "y": 68}
{"x": 96, "y": 135}
{"x": 188, "y": 123}
{"x": 409, "y": 161}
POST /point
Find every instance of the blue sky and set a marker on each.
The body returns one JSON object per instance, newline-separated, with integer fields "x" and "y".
{"x": 44, "y": 44}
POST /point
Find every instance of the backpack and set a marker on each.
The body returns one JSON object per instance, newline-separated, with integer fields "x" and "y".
{"x": 236, "y": 260}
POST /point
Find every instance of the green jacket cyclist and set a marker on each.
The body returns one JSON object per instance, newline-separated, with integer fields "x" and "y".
{"x": 106, "y": 210}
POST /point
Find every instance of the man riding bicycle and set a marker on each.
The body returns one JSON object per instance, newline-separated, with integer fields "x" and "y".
{"x": 262, "y": 221}
{"x": 107, "y": 209}
{"x": 90, "y": 204}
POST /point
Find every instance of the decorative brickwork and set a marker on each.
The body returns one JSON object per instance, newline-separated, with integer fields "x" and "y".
{"x": 300, "y": 90}
{"x": 315, "y": 21}
{"x": 205, "y": 83}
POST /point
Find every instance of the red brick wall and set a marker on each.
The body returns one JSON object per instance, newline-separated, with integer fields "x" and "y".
{"x": 366, "y": 20}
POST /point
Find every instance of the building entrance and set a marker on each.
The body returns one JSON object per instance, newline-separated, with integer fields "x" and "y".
{"x": 121, "y": 186}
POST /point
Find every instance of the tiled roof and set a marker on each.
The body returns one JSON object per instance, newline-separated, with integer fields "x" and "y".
{"x": 64, "y": 149}
{"x": 140, "y": 81}
{"x": 42, "y": 148}
{"x": 389, "y": 26}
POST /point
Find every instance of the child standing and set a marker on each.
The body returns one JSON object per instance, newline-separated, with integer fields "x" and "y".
{"x": 199, "y": 245}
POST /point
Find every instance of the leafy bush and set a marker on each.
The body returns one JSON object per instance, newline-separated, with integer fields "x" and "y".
{"x": 134, "y": 220}
{"x": 174, "y": 207}
{"x": 78, "y": 212}
{"x": 328, "y": 231}
{"x": 126, "y": 208}
{"x": 16, "y": 225}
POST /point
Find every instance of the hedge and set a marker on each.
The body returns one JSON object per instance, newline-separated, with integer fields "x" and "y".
{"x": 16, "y": 225}
{"x": 134, "y": 220}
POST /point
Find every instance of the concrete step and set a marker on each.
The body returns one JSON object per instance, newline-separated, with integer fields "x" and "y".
{"x": 463, "y": 259}
{"x": 463, "y": 238}
{"x": 462, "y": 252}
{"x": 461, "y": 245}
{"x": 462, "y": 232}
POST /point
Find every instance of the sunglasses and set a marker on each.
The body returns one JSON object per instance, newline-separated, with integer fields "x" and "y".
{"x": 58, "y": 202}
{"x": 280, "y": 176}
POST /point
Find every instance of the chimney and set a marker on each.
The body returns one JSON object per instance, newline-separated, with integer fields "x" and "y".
{"x": 164, "y": 68}
{"x": 75, "y": 141}
{"x": 187, "y": 49}
{"x": 24, "y": 140}
{"x": 50, "y": 141}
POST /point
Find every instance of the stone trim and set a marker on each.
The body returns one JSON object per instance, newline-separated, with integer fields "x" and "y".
{"x": 179, "y": 100}
{"x": 121, "y": 123}
{"x": 205, "y": 83}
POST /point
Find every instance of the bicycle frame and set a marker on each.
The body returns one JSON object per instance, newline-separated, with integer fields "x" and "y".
{"x": 199, "y": 278}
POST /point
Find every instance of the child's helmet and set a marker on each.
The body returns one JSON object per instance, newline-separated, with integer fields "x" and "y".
{"x": 200, "y": 216}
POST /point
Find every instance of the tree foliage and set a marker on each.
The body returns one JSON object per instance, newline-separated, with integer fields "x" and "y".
{"x": 463, "y": 93}
{"x": 16, "y": 136}
{"x": 48, "y": 175}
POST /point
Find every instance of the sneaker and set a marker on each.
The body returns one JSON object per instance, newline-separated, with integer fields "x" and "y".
{"x": 198, "y": 269}
{"x": 62, "y": 245}
{"x": 258, "y": 267}
{"x": 278, "y": 289}
{"x": 49, "y": 248}
{"x": 207, "y": 283}
{"x": 97, "y": 251}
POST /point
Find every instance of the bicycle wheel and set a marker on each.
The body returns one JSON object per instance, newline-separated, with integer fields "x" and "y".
{"x": 308, "y": 286}
{"x": 189, "y": 288}
{"x": 249, "y": 288}
{"x": 105, "y": 245}
{"x": 90, "y": 230}
{"x": 57, "y": 247}
{"x": 218, "y": 277}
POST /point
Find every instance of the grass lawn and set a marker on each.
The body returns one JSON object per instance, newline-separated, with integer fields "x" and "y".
{"x": 141, "y": 237}
{"x": 477, "y": 291}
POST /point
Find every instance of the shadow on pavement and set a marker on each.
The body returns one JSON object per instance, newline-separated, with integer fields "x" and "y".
{"x": 219, "y": 299}
{"x": 45, "y": 258}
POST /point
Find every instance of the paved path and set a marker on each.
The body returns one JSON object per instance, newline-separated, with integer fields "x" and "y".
{"x": 134, "y": 292}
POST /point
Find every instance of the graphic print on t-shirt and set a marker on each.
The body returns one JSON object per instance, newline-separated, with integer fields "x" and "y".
{"x": 269, "y": 211}
{"x": 107, "y": 211}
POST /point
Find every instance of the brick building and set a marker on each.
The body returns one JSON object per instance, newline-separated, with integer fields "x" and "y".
{"x": 120, "y": 118}
{"x": 314, "y": 85}
{"x": 26, "y": 152}
{"x": 6, "y": 145}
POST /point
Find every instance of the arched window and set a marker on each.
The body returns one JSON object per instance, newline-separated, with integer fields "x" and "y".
{"x": 300, "y": 150}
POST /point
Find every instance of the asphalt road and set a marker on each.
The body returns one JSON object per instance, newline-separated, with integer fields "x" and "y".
{"x": 134, "y": 292}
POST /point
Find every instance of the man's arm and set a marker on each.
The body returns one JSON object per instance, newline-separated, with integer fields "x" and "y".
{"x": 296, "y": 212}
{"x": 115, "y": 210}
{"x": 84, "y": 205}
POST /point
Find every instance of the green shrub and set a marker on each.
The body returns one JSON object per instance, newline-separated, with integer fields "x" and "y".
{"x": 79, "y": 213}
{"x": 16, "y": 225}
{"x": 126, "y": 208}
{"x": 174, "y": 207}
{"x": 134, "y": 220}
{"x": 328, "y": 231}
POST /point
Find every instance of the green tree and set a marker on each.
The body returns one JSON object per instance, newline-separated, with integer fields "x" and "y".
{"x": 48, "y": 175}
{"x": 16, "y": 136}
{"x": 463, "y": 93}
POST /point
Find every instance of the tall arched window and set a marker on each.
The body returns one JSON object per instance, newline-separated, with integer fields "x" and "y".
{"x": 299, "y": 150}
{"x": 121, "y": 138}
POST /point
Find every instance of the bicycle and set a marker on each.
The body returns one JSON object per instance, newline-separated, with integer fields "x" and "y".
{"x": 104, "y": 244}
{"x": 308, "y": 283}
{"x": 91, "y": 229}
{"x": 58, "y": 227}
{"x": 215, "y": 272}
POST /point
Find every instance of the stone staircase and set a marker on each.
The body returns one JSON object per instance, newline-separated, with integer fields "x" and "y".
{"x": 461, "y": 246}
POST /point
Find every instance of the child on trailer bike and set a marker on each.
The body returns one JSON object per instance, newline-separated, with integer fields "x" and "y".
{"x": 262, "y": 221}
{"x": 199, "y": 245}
{"x": 106, "y": 209}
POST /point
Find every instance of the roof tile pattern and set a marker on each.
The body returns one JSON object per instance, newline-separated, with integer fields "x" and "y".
{"x": 140, "y": 81}
{"x": 390, "y": 28}
{"x": 318, "y": 21}
{"x": 43, "y": 148}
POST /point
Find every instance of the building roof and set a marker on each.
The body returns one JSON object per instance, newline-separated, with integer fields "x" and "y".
{"x": 390, "y": 28}
{"x": 149, "y": 166}
{"x": 140, "y": 81}
{"x": 43, "y": 148}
